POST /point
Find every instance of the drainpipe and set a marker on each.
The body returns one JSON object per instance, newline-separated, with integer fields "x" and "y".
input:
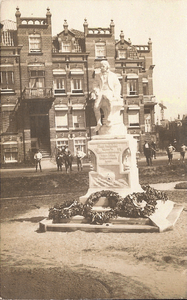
{"x": 22, "y": 109}
{"x": 88, "y": 95}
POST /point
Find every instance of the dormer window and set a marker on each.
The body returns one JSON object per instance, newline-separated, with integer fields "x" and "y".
{"x": 122, "y": 54}
{"x": 35, "y": 43}
{"x": 66, "y": 46}
{"x": 100, "y": 50}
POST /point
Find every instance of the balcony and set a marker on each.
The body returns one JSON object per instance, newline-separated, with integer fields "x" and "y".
{"x": 149, "y": 99}
{"x": 37, "y": 93}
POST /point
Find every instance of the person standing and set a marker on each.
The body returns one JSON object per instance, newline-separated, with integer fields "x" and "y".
{"x": 38, "y": 158}
{"x": 153, "y": 145}
{"x": 80, "y": 155}
{"x": 182, "y": 152}
{"x": 148, "y": 153}
{"x": 170, "y": 150}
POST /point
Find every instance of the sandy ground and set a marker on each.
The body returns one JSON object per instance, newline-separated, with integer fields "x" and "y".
{"x": 80, "y": 265}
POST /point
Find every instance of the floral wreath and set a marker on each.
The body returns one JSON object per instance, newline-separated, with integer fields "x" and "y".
{"x": 134, "y": 205}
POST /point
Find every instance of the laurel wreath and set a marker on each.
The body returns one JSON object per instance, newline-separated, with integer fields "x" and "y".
{"x": 133, "y": 206}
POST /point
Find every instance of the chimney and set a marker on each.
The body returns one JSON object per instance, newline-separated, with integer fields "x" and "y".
{"x": 65, "y": 27}
{"x": 112, "y": 25}
{"x": 122, "y": 37}
{"x": 85, "y": 27}
{"x": 18, "y": 15}
{"x": 150, "y": 44}
{"x": 48, "y": 16}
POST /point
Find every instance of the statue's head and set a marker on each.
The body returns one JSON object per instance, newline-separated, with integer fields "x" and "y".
{"x": 104, "y": 66}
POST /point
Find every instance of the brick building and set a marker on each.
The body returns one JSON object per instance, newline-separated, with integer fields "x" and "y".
{"x": 46, "y": 85}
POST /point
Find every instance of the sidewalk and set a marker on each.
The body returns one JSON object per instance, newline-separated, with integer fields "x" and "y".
{"x": 50, "y": 164}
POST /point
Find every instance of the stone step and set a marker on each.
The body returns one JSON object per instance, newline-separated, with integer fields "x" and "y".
{"x": 47, "y": 225}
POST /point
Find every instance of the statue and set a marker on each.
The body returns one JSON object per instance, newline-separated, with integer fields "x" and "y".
{"x": 108, "y": 99}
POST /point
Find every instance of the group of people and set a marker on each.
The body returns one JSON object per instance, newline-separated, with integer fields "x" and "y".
{"x": 65, "y": 151}
{"x": 150, "y": 152}
{"x": 61, "y": 152}
{"x": 171, "y": 149}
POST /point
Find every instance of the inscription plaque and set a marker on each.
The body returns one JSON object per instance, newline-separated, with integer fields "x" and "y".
{"x": 108, "y": 154}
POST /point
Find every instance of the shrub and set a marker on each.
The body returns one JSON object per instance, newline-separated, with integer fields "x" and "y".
{"x": 181, "y": 185}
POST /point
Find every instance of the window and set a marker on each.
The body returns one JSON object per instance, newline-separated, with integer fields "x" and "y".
{"x": 35, "y": 43}
{"x": 78, "y": 119}
{"x": 122, "y": 54}
{"x": 10, "y": 154}
{"x": 147, "y": 120}
{"x": 132, "y": 85}
{"x": 133, "y": 116}
{"x": 145, "y": 89}
{"x": 76, "y": 48}
{"x": 62, "y": 143}
{"x": 81, "y": 144}
{"x": 100, "y": 50}
{"x": 36, "y": 83}
{"x": 61, "y": 119}
{"x": 76, "y": 85}
{"x": 6, "y": 80}
{"x": 59, "y": 85}
{"x": 66, "y": 47}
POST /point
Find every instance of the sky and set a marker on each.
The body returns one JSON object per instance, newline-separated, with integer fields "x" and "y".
{"x": 164, "y": 21}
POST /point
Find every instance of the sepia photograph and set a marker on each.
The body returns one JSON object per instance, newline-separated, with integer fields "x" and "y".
{"x": 93, "y": 149}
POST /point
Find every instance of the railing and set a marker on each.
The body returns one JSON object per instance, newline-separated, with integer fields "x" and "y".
{"x": 149, "y": 98}
{"x": 77, "y": 49}
{"x": 30, "y": 93}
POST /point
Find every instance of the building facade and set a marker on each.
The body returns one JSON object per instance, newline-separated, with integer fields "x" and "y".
{"x": 46, "y": 86}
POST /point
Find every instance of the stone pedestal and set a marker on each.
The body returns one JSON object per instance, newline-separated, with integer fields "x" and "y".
{"x": 114, "y": 167}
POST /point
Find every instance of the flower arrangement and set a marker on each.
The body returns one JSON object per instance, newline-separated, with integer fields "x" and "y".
{"x": 134, "y": 205}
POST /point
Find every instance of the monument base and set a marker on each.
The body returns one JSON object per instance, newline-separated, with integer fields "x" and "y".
{"x": 162, "y": 220}
{"x": 113, "y": 163}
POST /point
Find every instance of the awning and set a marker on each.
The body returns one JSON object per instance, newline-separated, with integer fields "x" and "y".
{"x": 78, "y": 106}
{"x": 77, "y": 72}
{"x": 8, "y": 107}
{"x": 10, "y": 143}
{"x": 133, "y": 107}
{"x": 144, "y": 80}
{"x": 59, "y": 72}
{"x": 6, "y": 67}
{"x": 132, "y": 76}
{"x": 36, "y": 66}
{"x": 61, "y": 107}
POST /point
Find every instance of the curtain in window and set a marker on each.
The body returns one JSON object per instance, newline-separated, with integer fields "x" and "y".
{"x": 131, "y": 87}
{"x": 61, "y": 119}
{"x": 100, "y": 50}
{"x": 78, "y": 119}
{"x": 7, "y": 80}
{"x": 133, "y": 118}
